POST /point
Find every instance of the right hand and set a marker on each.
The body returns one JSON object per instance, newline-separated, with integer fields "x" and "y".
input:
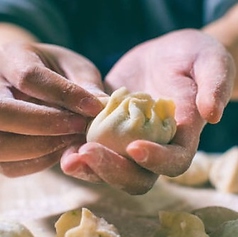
{"x": 187, "y": 66}
{"x": 47, "y": 96}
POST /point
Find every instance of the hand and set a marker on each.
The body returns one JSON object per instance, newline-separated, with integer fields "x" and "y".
{"x": 187, "y": 66}
{"x": 47, "y": 96}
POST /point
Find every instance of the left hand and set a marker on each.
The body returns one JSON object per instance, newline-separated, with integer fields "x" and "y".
{"x": 187, "y": 66}
{"x": 42, "y": 91}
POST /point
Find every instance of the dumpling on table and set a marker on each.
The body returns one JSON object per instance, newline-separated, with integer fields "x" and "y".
{"x": 227, "y": 229}
{"x": 132, "y": 116}
{"x": 214, "y": 217}
{"x": 224, "y": 172}
{"x": 198, "y": 172}
{"x": 83, "y": 223}
{"x": 180, "y": 224}
{"x": 10, "y": 228}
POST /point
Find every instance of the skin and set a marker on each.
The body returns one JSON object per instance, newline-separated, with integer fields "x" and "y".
{"x": 169, "y": 70}
{"x": 191, "y": 67}
{"x": 225, "y": 31}
{"x": 48, "y": 94}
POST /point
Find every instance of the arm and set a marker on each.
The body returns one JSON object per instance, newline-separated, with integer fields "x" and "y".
{"x": 226, "y": 31}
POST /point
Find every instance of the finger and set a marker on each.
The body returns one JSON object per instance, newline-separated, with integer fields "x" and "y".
{"x": 20, "y": 147}
{"x": 42, "y": 83}
{"x": 22, "y": 117}
{"x": 172, "y": 159}
{"x": 29, "y": 73}
{"x": 215, "y": 80}
{"x": 114, "y": 169}
{"x": 26, "y": 167}
{"x": 73, "y": 166}
{"x": 80, "y": 70}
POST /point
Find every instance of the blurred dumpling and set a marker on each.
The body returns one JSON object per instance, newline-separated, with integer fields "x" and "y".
{"x": 214, "y": 216}
{"x": 198, "y": 172}
{"x": 132, "y": 116}
{"x": 84, "y": 224}
{"x": 227, "y": 229}
{"x": 224, "y": 172}
{"x": 13, "y": 229}
{"x": 180, "y": 224}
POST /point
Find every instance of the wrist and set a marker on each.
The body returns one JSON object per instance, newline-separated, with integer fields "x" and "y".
{"x": 225, "y": 30}
{"x": 13, "y": 33}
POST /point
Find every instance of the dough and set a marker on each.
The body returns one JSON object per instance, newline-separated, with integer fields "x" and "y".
{"x": 13, "y": 229}
{"x": 180, "y": 224}
{"x": 215, "y": 216}
{"x": 224, "y": 172}
{"x": 198, "y": 172}
{"x": 132, "y": 116}
{"x": 84, "y": 224}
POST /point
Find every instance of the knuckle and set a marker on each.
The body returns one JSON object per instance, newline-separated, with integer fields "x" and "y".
{"x": 26, "y": 76}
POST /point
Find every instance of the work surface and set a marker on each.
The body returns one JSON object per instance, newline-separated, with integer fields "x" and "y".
{"x": 38, "y": 200}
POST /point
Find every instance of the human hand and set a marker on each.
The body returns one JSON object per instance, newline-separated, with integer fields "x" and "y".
{"x": 48, "y": 95}
{"x": 190, "y": 68}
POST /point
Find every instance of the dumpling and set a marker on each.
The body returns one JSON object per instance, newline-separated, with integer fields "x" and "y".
{"x": 224, "y": 172}
{"x": 180, "y": 224}
{"x": 198, "y": 172}
{"x": 132, "y": 116}
{"x": 214, "y": 216}
{"x": 227, "y": 229}
{"x": 13, "y": 229}
{"x": 84, "y": 224}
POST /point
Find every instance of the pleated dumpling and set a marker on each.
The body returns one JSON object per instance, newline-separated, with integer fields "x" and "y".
{"x": 83, "y": 223}
{"x": 132, "y": 116}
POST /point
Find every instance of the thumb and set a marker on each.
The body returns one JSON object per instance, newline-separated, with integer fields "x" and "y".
{"x": 214, "y": 73}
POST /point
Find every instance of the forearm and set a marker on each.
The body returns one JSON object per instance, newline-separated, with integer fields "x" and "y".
{"x": 226, "y": 31}
{"x": 10, "y": 32}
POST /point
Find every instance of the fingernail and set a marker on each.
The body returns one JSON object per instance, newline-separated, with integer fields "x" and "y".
{"x": 139, "y": 154}
{"x": 69, "y": 163}
{"x": 90, "y": 107}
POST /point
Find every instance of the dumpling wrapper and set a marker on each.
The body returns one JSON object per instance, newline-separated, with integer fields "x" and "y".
{"x": 131, "y": 116}
{"x": 84, "y": 224}
{"x": 13, "y": 229}
{"x": 180, "y": 224}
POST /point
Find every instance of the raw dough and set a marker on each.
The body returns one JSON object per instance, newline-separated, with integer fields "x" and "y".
{"x": 224, "y": 172}
{"x": 13, "y": 229}
{"x": 132, "y": 116}
{"x": 198, "y": 172}
{"x": 180, "y": 224}
{"x": 84, "y": 224}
